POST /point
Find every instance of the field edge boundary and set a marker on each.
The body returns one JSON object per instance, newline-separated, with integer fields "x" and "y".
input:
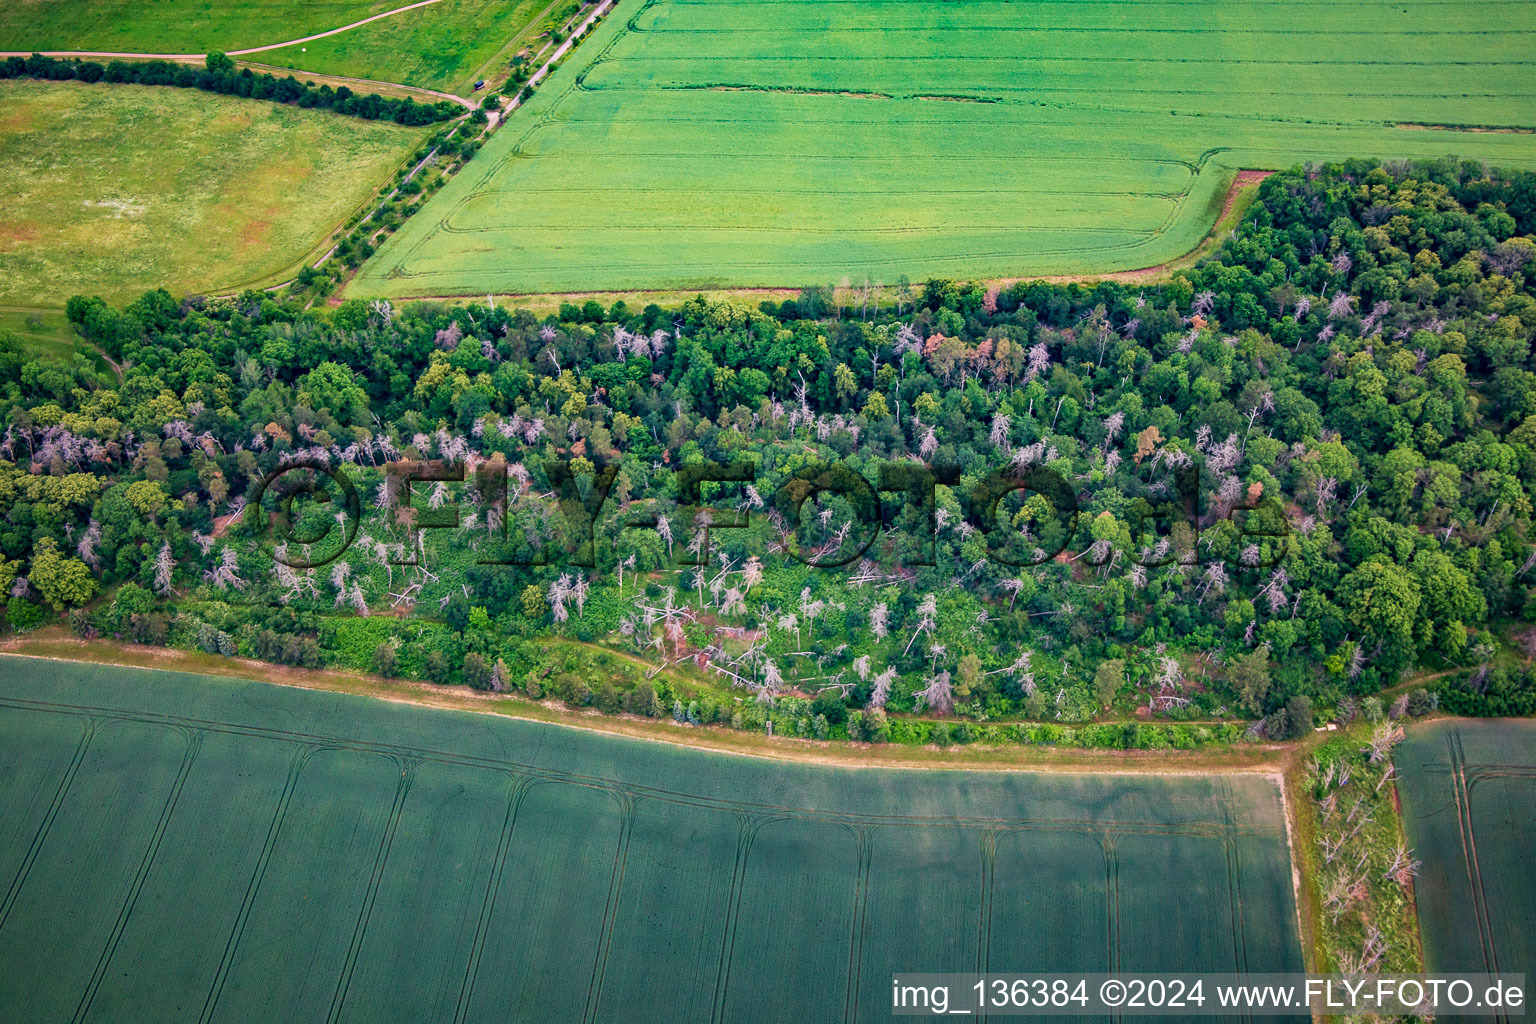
{"x": 1237, "y": 197}
{"x": 1266, "y": 760}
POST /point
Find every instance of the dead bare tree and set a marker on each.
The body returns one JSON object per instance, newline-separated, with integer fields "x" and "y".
{"x": 226, "y": 574}
{"x": 927, "y": 612}
{"x": 165, "y": 567}
{"x": 1403, "y": 868}
{"x": 939, "y": 694}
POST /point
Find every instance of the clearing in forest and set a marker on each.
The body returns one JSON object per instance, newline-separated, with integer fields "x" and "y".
{"x": 115, "y": 189}
{"x": 257, "y": 852}
{"x": 774, "y": 143}
{"x": 1468, "y": 789}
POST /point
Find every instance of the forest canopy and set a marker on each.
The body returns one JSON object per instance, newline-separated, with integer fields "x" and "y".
{"x": 1298, "y": 471}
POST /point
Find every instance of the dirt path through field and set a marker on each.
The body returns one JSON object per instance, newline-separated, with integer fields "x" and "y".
{"x": 228, "y": 53}
{"x": 334, "y": 31}
{"x": 189, "y": 57}
{"x": 316, "y": 76}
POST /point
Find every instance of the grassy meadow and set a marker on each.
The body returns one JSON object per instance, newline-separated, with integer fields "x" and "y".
{"x": 773, "y": 143}
{"x": 1468, "y": 790}
{"x": 439, "y": 47}
{"x": 113, "y": 190}
{"x": 45, "y": 332}
{"x": 257, "y": 852}
{"x": 174, "y": 26}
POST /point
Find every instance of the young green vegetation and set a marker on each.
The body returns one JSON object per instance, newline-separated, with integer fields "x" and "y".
{"x": 1352, "y": 378}
{"x": 220, "y": 75}
{"x": 41, "y": 332}
{"x": 445, "y": 46}
{"x": 1468, "y": 802}
{"x": 175, "y": 26}
{"x": 257, "y": 852}
{"x": 116, "y": 189}
{"x": 439, "y": 46}
{"x": 449, "y": 149}
{"x": 1492, "y": 691}
{"x": 1361, "y": 865}
{"x": 715, "y": 143}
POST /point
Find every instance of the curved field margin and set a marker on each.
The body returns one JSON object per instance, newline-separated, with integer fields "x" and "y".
{"x": 725, "y": 144}
{"x": 1240, "y": 195}
{"x": 257, "y": 852}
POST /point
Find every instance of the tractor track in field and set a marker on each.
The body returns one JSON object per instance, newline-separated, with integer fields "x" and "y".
{"x": 635, "y": 814}
{"x": 1243, "y": 180}
{"x": 626, "y": 792}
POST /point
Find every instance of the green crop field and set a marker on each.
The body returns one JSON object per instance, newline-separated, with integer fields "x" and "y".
{"x": 1469, "y": 805}
{"x": 441, "y": 46}
{"x": 184, "y": 848}
{"x": 718, "y": 143}
{"x": 113, "y": 190}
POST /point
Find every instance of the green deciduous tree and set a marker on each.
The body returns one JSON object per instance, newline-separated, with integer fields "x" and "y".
{"x": 1108, "y": 678}
{"x": 477, "y": 671}
{"x": 1249, "y": 676}
{"x": 1382, "y": 602}
{"x": 63, "y": 581}
{"x": 386, "y": 660}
